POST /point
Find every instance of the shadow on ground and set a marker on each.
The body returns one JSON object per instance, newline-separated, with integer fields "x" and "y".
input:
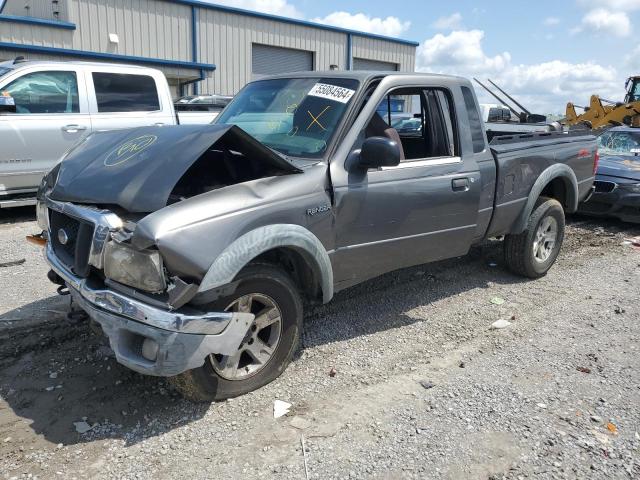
{"x": 56, "y": 371}
{"x": 16, "y": 215}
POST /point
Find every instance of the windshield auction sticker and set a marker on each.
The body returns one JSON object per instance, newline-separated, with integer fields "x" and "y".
{"x": 331, "y": 92}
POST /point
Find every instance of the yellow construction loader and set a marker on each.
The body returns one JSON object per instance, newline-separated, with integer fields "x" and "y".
{"x": 604, "y": 113}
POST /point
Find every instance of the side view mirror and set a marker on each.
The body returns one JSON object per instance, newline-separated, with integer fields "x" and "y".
{"x": 379, "y": 152}
{"x": 7, "y": 103}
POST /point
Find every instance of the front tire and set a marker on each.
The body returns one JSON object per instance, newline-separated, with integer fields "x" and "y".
{"x": 533, "y": 252}
{"x": 268, "y": 347}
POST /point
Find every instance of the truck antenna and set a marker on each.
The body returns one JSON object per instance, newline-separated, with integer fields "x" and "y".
{"x": 517, "y": 113}
{"x": 510, "y": 98}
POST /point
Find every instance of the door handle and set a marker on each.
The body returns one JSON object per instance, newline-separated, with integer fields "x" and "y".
{"x": 460, "y": 184}
{"x": 73, "y": 128}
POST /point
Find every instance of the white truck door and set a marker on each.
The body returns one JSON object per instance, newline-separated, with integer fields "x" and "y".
{"x": 51, "y": 116}
{"x": 123, "y": 100}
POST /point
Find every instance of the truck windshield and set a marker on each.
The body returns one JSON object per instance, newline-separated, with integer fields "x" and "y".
{"x": 294, "y": 116}
{"x": 619, "y": 143}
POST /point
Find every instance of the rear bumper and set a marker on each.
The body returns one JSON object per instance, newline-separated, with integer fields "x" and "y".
{"x": 177, "y": 341}
{"x": 619, "y": 203}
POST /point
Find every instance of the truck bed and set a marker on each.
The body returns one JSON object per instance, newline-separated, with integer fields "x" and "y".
{"x": 520, "y": 160}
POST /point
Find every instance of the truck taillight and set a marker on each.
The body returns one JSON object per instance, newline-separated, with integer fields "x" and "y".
{"x": 596, "y": 160}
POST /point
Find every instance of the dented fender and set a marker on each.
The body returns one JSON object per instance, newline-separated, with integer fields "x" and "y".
{"x": 237, "y": 255}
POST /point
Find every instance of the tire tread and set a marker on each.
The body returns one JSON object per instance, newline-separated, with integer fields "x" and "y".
{"x": 516, "y": 251}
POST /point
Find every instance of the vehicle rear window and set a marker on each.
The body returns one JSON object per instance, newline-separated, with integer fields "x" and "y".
{"x": 474, "y": 120}
{"x": 117, "y": 92}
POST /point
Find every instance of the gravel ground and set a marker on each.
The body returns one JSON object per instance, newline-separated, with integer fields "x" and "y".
{"x": 423, "y": 388}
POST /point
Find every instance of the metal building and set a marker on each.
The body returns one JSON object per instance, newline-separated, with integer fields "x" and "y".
{"x": 201, "y": 47}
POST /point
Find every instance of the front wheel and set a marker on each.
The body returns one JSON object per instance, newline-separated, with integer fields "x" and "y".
{"x": 268, "y": 293}
{"x": 533, "y": 252}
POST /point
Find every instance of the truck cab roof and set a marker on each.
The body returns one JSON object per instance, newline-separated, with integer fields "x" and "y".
{"x": 365, "y": 75}
{"x": 18, "y": 64}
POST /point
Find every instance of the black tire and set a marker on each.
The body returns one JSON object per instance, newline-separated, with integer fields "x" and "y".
{"x": 519, "y": 249}
{"x": 204, "y": 384}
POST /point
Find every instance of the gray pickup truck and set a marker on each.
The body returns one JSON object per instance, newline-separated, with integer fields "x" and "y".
{"x": 196, "y": 247}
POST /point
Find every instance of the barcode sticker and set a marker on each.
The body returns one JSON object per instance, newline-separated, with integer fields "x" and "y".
{"x": 331, "y": 92}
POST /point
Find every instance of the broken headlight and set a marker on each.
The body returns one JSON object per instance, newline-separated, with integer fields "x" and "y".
{"x": 42, "y": 215}
{"x": 141, "y": 269}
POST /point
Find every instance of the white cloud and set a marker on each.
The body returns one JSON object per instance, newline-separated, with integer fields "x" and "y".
{"x": 451, "y": 22}
{"x": 605, "y": 21}
{"x": 275, "y": 7}
{"x": 632, "y": 60}
{"x": 615, "y": 5}
{"x": 459, "y": 48}
{"x": 390, "y": 26}
{"x": 542, "y": 88}
{"x": 551, "y": 21}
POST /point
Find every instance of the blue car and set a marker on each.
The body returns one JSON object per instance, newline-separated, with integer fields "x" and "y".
{"x": 617, "y": 184}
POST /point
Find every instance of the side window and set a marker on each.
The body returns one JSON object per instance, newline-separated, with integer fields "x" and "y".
{"x": 403, "y": 113}
{"x": 446, "y": 104}
{"x": 117, "y": 92}
{"x": 474, "y": 120}
{"x": 420, "y": 120}
{"x": 45, "y": 92}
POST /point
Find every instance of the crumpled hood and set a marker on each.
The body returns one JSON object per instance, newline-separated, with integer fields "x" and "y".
{"x": 623, "y": 166}
{"x": 138, "y": 168}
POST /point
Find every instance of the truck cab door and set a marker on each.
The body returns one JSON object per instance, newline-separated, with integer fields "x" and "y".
{"x": 124, "y": 99}
{"x": 422, "y": 210}
{"x": 51, "y": 116}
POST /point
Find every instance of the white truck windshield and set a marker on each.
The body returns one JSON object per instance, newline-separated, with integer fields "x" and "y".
{"x": 294, "y": 116}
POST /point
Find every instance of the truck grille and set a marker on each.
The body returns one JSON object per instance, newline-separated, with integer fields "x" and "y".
{"x": 604, "y": 187}
{"x": 71, "y": 241}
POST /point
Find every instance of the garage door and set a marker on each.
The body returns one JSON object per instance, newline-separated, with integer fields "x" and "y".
{"x": 268, "y": 60}
{"x": 365, "y": 64}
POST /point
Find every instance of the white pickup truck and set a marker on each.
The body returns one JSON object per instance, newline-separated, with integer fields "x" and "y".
{"x": 49, "y": 106}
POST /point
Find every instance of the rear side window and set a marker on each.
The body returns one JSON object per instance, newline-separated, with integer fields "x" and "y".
{"x": 474, "y": 120}
{"x": 117, "y": 92}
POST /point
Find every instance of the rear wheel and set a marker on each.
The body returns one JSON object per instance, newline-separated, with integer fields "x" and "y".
{"x": 267, "y": 348}
{"x": 533, "y": 252}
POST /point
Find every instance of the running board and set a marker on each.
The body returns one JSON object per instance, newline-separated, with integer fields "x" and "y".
{"x": 18, "y": 202}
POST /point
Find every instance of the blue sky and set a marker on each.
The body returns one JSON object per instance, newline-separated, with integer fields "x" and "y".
{"x": 545, "y": 52}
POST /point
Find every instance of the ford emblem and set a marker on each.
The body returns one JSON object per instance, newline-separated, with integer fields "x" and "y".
{"x": 63, "y": 238}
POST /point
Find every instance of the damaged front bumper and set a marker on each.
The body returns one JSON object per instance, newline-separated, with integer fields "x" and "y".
{"x": 149, "y": 339}
{"x": 617, "y": 201}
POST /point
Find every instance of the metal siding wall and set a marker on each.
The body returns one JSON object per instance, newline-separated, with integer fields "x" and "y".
{"x": 36, "y": 35}
{"x": 146, "y": 28}
{"x": 37, "y": 8}
{"x": 226, "y": 38}
{"x": 381, "y": 50}
{"x": 172, "y": 72}
{"x": 162, "y": 29}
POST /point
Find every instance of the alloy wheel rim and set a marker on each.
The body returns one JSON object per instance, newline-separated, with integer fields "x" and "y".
{"x": 260, "y": 342}
{"x": 545, "y": 239}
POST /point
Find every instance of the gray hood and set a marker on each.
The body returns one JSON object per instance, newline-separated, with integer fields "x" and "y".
{"x": 137, "y": 169}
